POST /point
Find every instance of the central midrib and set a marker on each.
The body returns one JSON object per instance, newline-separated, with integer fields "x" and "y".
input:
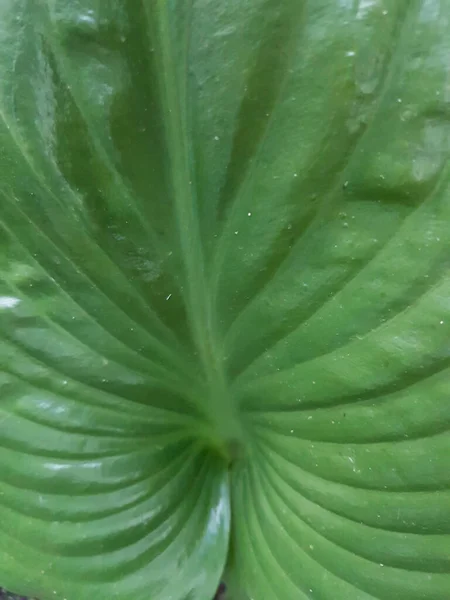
{"x": 225, "y": 433}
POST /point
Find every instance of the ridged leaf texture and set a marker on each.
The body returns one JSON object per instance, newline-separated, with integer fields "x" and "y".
{"x": 225, "y": 299}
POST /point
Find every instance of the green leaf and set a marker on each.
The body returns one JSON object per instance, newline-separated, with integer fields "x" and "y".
{"x": 225, "y": 291}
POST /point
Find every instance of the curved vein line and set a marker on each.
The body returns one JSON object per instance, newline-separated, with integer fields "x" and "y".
{"x": 250, "y": 541}
{"x": 169, "y": 436}
{"x": 269, "y": 465}
{"x": 184, "y": 457}
{"x": 257, "y": 491}
{"x": 396, "y": 489}
{"x": 79, "y": 341}
{"x": 323, "y": 536}
{"x": 162, "y": 347}
{"x": 196, "y": 491}
{"x": 181, "y": 466}
{"x": 382, "y": 325}
{"x": 336, "y": 181}
{"x": 69, "y": 190}
{"x": 148, "y": 551}
{"x": 348, "y": 442}
{"x": 161, "y": 490}
{"x": 360, "y": 398}
{"x": 116, "y": 409}
{"x": 352, "y": 276}
{"x": 80, "y": 382}
{"x": 164, "y": 384}
{"x": 70, "y": 428}
{"x": 122, "y": 187}
{"x": 68, "y": 456}
{"x": 268, "y": 126}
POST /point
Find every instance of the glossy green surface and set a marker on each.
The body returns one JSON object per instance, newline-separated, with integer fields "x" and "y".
{"x": 225, "y": 292}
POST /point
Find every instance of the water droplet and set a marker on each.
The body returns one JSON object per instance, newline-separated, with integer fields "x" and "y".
{"x": 407, "y": 114}
{"x": 9, "y": 301}
{"x": 350, "y": 53}
{"x": 64, "y": 382}
{"x": 441, "y": 322}
{"x": 249, "y": 214}
{"x": 217, "y": 138}
{"x": 236, "y": 232}
{"x": 399, "y": 100}
{"x": 87, "y": 18}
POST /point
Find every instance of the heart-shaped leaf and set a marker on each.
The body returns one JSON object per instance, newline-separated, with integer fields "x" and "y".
{"x": 225, "y": 291}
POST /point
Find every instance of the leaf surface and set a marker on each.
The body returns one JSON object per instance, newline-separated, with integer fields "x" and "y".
{"x": 225, "y": 293}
